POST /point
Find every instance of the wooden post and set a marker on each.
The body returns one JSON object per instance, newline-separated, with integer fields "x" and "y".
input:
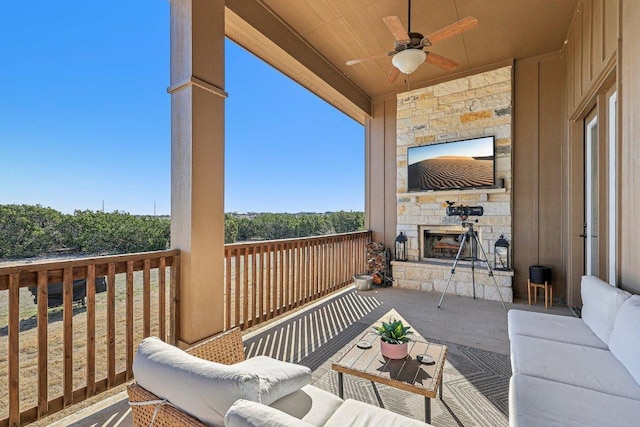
{"x": 197, "y": 163}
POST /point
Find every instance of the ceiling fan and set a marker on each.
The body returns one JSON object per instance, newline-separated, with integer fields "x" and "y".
{"x": 408, "y": 53}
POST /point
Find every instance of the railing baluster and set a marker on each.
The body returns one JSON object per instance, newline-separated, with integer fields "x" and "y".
{"x": 245, "y": 279}
{"x": 14, "y": 349}
{"x": 254, "y": 286}
{"x": 227, "y": 292}
{"x": 269, "y": 254}
{"x": 162, "y": 299}
{"x": 288, "y": 282}
{"x": 262, "y": 284}
{"x": 174, "y": 315}
{"x": 236, "y": 254}
{"x": 91, "y": 331}
{"x": 129, "y": 321}
{"x": 43, "y": 346}
{"x": 67, "y": 298}
{"x": 111, "y": 324}
{"x": 146, "y": 298}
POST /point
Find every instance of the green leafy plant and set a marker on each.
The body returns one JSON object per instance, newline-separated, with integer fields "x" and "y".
{"x": 393, "y": 332}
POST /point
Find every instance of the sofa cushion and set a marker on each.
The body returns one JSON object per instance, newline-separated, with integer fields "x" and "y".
{"x": 587, "y": 367}
{"x": 624, "y": 341}
{"x": 203, "y": 389}
{"x": 535, "y": 402}
{"x": 277, "y": 378}
{"x": 355, "y": 414}
{"x": 600, "y": 304}
{"x": 309, "y": 404}
{"x": 245, "y": 413}
{"x": 552, "y": 327}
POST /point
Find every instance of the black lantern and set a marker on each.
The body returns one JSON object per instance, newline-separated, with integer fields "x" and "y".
{"x": 401, "y": 247}
{"x": 501, "y": 259}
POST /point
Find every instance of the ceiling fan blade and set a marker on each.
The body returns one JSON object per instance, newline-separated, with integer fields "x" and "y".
{"x": 393, "y": 76}
{"x": 369, "y": 58}
{"x": 441, "y": 61}
{"x": 454, "y": 29}
{"x": 397, "y": 29}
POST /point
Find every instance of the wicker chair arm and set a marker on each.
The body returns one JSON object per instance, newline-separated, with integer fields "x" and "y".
{"x": 224, "y": 348}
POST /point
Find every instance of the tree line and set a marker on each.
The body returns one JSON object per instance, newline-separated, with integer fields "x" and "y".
{"x": 30, "y": 231}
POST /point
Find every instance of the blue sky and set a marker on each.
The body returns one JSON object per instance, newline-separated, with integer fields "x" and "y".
{"x": 85, "y": 118}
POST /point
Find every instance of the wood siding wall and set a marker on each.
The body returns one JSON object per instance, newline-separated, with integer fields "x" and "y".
{"x": 537, "y": 170}
{"x": 590, "y": 62}
{"x": 629, "y": 155}
{"x": 380, "y": 171}
{"x": 591, "y": 41}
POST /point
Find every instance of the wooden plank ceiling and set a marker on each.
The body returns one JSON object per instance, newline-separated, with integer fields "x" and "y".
{"x": 340, "y": 30}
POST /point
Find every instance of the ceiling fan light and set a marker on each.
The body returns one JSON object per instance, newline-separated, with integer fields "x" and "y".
{"x": 408, "y": 60}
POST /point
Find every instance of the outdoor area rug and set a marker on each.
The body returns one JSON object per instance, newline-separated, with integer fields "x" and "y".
{"x": 476, "y": 382}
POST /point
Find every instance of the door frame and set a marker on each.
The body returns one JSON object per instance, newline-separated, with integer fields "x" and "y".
{"x": 575, "y": 249}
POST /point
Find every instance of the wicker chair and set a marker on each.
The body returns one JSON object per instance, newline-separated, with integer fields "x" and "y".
{"x": 224, "y": 348}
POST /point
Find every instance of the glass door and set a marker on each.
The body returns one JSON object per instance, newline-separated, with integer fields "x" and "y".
{"x": 592, "y": 205}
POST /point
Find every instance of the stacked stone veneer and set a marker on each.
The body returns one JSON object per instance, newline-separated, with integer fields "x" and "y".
{"x": 470, "y": 107}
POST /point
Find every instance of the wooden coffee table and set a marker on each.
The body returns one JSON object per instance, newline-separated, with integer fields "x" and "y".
{"x": 407, "y": 374}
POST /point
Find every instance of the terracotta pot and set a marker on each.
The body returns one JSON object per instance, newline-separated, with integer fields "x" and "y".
{"x": 394, "y": 351}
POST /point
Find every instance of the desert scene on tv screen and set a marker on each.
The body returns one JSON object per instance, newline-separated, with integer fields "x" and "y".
{"x": 462, "y": 164}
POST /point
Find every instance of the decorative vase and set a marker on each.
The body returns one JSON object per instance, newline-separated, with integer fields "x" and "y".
{"x": 394, "y": 351}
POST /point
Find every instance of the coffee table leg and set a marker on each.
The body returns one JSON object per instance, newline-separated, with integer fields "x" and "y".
{"x": 427, "y": 410}
{"x": 441, "y": 377}
{"x": 340, "y": 386}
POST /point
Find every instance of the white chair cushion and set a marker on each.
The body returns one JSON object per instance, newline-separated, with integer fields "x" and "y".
{"x": 309, "y": 404}
{"x": 600, "y": 305}
{"x": 277, "y": 378}
{"x": 624, "y": 341}
{"x": 587, "y": 367}
{"x": 203, "y": 389}
{"x": 552, "y": 327}
{"x": 357, "y": 414}
{"x": 245, "y": 413}
{"x": 535, "y": 402}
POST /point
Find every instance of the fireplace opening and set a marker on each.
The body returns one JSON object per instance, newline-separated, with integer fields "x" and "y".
{"x": 443, "y": 244}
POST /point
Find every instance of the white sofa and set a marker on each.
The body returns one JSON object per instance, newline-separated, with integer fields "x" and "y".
{"x": 259, "y": 391}
{"x": 571, "y": 371}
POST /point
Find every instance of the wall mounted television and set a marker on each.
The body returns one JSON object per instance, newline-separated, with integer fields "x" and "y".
{"x": 462, "y": 164}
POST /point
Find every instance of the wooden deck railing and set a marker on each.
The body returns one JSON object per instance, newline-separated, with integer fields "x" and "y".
{"x": 267, "y": 278}
{"x": 51, "y": 358}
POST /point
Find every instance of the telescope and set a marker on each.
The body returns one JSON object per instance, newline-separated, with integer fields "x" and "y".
{"x": 464, "y": 211}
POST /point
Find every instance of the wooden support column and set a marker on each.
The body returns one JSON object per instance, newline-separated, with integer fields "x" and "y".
{"x": 197, "y": 163}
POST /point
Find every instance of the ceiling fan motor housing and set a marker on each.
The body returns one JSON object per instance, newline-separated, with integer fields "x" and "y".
{"x": 414, "y": 43}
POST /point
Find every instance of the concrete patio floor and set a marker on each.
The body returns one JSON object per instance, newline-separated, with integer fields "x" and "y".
{"x": 473, "y": 323}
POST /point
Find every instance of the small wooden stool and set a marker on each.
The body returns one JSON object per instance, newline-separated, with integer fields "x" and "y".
{"x": 548, "y": 293}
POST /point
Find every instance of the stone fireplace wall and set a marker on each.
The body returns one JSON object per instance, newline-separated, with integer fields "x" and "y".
{"x": 469, "y": 107}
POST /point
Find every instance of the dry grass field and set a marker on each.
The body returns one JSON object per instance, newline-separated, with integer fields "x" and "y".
{"x": 29, "y": 339}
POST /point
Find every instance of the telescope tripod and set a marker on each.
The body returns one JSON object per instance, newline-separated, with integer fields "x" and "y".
{"x": 471, "y": 236}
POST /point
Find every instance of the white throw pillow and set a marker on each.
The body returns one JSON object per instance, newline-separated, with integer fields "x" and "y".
{"x": 277, "y": 378}
{"x": 244, "y": 413}
{"x": 624, "y": 341}
{"x": 601, "y": 303}
{"x": 203, "y": 389}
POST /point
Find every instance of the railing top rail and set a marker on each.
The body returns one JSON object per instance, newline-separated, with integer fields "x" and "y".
{"x": 57, "y": 263}
{"x": 295, "y": 239}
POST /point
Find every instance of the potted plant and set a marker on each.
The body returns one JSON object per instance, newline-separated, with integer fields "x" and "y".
{"x": 393, "y": 339}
